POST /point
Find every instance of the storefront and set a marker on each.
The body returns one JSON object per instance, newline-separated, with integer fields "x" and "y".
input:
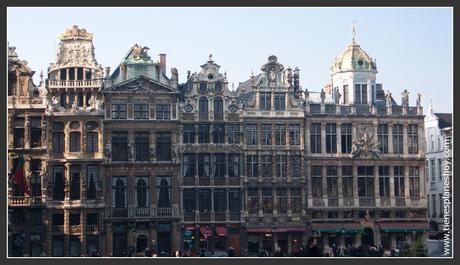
{"x": 211, "y": 237}
{"x": 340, "y": 234}
{"x": 284, "y": 238}
{"x": 397, "y": 234}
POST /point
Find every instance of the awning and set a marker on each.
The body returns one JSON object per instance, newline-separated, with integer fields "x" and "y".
{"x": 221, "y": 230}
{"x": 281, "y": 229}
{"x": 336, "y": 227}
{"x": 189, "y": 227}
{"x": 402, "y": 227}
{"x": 206, "y": 231}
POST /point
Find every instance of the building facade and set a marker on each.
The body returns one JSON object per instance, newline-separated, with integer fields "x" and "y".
{"x": 438, "y": 135}
{"x": 130, "y": 160}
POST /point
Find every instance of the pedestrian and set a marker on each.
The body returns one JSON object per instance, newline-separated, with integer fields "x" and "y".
{"x": 313, "y": 249}
{"x": 231, "y": 252}
{"x": 177, "y": 254}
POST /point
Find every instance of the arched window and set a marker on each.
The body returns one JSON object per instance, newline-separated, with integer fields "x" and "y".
{"x": 203, "y": 108}
{"x": 142, "y": 192}
{"x": 163, "y": 191}
{"x": 141, "y": 243}
{"x": 218, "y": 109}
{"x": 120, "y": 192}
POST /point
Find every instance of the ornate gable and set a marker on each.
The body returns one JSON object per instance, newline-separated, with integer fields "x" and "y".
{"x": 140, "y": 85}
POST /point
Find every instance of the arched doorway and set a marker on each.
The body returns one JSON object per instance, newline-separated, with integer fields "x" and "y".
{"x": 141, "y": 243}
{"x": 367, "y": 237}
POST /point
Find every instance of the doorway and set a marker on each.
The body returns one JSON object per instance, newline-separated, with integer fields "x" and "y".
{"x": 367, "y": 238}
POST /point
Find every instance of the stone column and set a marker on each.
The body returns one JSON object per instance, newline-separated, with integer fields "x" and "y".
{"x": 339, "y": 138}
{"x": 406, "y": 184}
{"x": 422, "y": 181}
{"x": 377, "y": 186}
{"x": 66, "y": 233}
{"x": 307, "y": 139}
{"x": 392, "y": 186}
{"x": 340, "y": 185}
{"x": 67, "y": 74}
{"x": 353, "y": 131}
{"x": 323, "y": 138}
{"x": 197, "y": 132}
{"x": 324, "y": 182}
{"x": 421, "y": 140}
{"x": 405, "y": 146}
{"x": 27, "y": 132}
{"x": 211, "y": 130}
{"x": 390, "y": 138}
{"x": 308, "y": 184}
{"x": 355, "y": 185}
{"x": 83, "y": 233}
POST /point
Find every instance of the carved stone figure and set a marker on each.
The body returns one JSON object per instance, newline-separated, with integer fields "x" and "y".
{"x": 152, "y": 152}
{"x": 108, "y": 151}
{"x": 307, "y": 94}
{"x": 174, "y": 71}
{"x": 323, "y": 96}
{"x": 98, "y": 104}
{"x": 388, "y": 98}
{"x": 74, "y": 106}
{"x": 337, "y": 96}
{"x": 272, "y": 76}
{"x": 364, "y": 145}
{"x": 174, "y": 151}
{"x": 419, "y": 99}
{"x": 139, "y": 52}
{"x": 405, "y": 98}
{"x": 130, "y": 152}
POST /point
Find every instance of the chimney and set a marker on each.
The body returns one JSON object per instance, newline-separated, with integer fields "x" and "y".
{"x": 162, "y": 63}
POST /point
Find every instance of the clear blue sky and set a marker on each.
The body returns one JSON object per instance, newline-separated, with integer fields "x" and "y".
{"x": 413, "y": 46}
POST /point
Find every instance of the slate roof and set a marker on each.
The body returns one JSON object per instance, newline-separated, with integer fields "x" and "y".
{"x": 445, "y": 119}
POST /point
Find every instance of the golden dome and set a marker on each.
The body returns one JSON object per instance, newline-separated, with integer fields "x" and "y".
{"x": 352, "y": 59}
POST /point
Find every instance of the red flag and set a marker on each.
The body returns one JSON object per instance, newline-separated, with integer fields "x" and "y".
{"x": 19, "y": 177}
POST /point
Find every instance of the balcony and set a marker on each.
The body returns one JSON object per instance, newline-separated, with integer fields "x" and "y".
{"x": 75, "y": 229}
{"x": 75, "y": 83}
{"x": 400, "y": 202}
{"x": 415, "y": 202}
{"x": 363, "y": 109}
{"x": 318, "y": 202}
{"x": 24, "y": 201}
{"x": 315, "y": 108}
{"x": 345, "y": 109}
{"x": 348, "y": 202}
{"x": 367, "y": 202}
{"x": 330, "y": 109}
{"x": 57, "y": 229}
{"x": 92, "y": 229}
{"x": 332, "y": 202}
{"x": 385, "y": 202}
{"x": 142, "y": 213}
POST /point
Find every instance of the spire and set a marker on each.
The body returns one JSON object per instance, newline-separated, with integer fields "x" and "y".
{"x": 353, "y": 29}
{"x": 430, "y": 107}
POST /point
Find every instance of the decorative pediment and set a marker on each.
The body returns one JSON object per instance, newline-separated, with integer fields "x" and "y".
{"x": 141, "y": 84}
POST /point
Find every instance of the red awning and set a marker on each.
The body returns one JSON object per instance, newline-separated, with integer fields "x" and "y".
{"x": 206, "y": 231}
{"x": 189, "y": 227}
{"x": 404, "y": 225}
{"x": 281, "y": 229}
{"x": 221, "y": 230}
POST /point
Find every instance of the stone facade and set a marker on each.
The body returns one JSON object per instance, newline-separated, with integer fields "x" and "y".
{"x": 133, "y": 160}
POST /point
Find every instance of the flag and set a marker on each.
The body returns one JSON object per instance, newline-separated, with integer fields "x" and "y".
{"x": 19, "y": 177}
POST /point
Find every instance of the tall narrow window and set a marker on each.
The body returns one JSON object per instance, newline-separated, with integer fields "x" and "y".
{"x": 440, "y": 169}
{"x": 295, "y": 161}
{"x": 251, "y": 134}
{"x": 384, "y": 181}
{"x": 398, "y": 138}
{"x": 58, "y": 137}
{"x": 220, "y": 201}
{"x": 35, "y": 132}
{"x": 188, "y": 165}
{"x": 281, "y": 200}
{"x": 294, "y": 134}
{"x": 331, "y": 181}
{"x": 203, "y": 108}
{"x": 204, "y": 200}
{"x": 414, "y": 181}
{"x": 75, "y": 182}
{"x": 58, "y": 189}
{"x": 119, "y": 146}
{"x": 266, "y": 168}
{"x": 18, "y": 132}
{"x": 189, "y": 201}
{"x": 218, "y": 133}
{"x": 91, "y": 181}
{"x": 253, "y": 200}
{"x": 266, "y": 134}
{"x": 433, "y": 171}
{"x": 280, "y": 134}
{"x": 316, "y": 182}
{"x": 280, "y": 99}
{"x": 203, "y": 134}
{"x": 281, "y": 166}
{"x": 163, "y": 151}
{"x": 119, "y": 192}
{"x": 331, "y": 138}
{"x": 142, "y": 191}
{"x": 360, "y": 94}
{"x": 382, "y": 133}
{"x": 92, "y": 137}
{"x": 346, "y": 94}
{"x": 35, "y": 180}
{"x": 12, "y": 83}
{"x": 365, "y": 181}
{"x": 141, "y": 140}
{"x": 189, "y": 134}
{"x": 412, "y": 139}
{"x": 252, "y": 166}
{"x": 119, "y": 111}
{"x": 218, "y": 109}
{"x": 347, "y": 181}
{"x": 204, "y": 165}
{"x": 219, "y": 165}
{"x": 141, "y": 111}
{"x": 233, "y": 133}
{"x": 234, "y": 201}
{"x": 315, "y": 138}
{"x": 296, "y": 201}
{"x": 267, "y": 200}
{"x": 399, "y": 181}
{"x": 75, "y": 142}
{"x": 233, "y": 165}
{"x": 346, "y": 138}
{"x": 265, "y": 101}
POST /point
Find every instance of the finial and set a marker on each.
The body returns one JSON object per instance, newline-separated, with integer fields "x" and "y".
{"x": 41, "y": 76}
{"x": 225, "y": 73}
{"x": 210, "y": 57}
{"x": 252, "y": 72}
{"x": 354, "y": 23}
